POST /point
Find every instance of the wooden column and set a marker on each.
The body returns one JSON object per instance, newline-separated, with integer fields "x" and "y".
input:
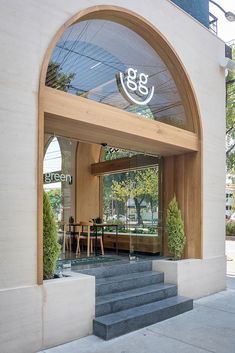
{"x": 182, "y": 177}
{"x": 88, "y": 188}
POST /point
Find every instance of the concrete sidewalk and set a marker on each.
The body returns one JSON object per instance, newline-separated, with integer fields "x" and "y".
{"x": 210, "y": 327}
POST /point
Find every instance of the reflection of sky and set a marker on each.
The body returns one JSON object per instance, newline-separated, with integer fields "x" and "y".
{"x": 52, "y": 162}
{"x": 97, "y": 50}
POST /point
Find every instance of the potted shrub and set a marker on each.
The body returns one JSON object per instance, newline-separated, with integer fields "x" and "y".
{"x": 51, "y": 247}
{"x": 175, "y": 230}
{"x": 176, "y": 271}
{"x": 230, "y": 228}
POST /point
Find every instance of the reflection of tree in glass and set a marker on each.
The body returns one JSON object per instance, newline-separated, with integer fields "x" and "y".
{"x": 57, "y": 79}
{"x": 230, "y": 122}
{"x": 139, "y": 185}
{"x": 142, "y": 111}
{"x": 112, "y": 206}
{"x": 55, "y": 201}
{"x": 111, "y": 153}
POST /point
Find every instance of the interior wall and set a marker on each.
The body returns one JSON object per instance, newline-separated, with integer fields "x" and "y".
{"x": 87, "y": 185}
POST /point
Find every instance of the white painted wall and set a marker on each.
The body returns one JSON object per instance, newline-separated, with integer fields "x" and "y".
{"x": 26, "y": 29}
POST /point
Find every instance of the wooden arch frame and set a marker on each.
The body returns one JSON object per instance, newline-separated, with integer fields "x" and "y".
{"x": 181, "y": 149}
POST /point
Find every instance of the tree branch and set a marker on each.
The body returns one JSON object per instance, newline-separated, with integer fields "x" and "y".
{"x": 230, "y": 149}
{"x": 230, "y": 129}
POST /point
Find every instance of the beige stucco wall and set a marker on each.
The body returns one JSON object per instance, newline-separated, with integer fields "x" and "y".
{"x": 195, "y": 278}
{"x": 26, "y": 30}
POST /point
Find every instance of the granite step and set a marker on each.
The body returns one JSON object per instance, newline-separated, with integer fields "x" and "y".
{"x": 122, "y": 322}
{"x": 127, "y": 281}
{"x": 118, "y": 269}
{"x": 114, "y": 302}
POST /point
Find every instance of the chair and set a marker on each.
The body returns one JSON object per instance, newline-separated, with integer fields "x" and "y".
{"x": 81, "y": 235}
{"x": 88, "y": 237}
{"x": 100, "y": 238}
{"x": 66, "y": 237}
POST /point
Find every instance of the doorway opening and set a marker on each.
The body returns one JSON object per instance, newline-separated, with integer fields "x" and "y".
{"x": 117, "y": 190}
{"x": 130, "y": 92}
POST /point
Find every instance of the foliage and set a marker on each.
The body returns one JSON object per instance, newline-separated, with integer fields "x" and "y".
{"x": 152, "y": 230}
{"x": 139, "y": 185}
{"x": 55, "y": 197}
{"x": 51, "y": 248}
{"x": 175, "y": 230}
{"x": 111, "y": 153}
{"x": 138, "y": 231}
{"x": 57, "y": 79}
{"x": 230, "y": 120}
{"x": 230, "y": 228}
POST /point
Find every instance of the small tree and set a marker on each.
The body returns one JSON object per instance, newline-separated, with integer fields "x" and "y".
{"x": 51, "y": 248}
{"x": 175, "y": 230}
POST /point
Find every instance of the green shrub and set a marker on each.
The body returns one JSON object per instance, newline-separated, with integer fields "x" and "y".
{"x": 175, "y": 230}
{"x": 138, "y": 231}
{"x": 152, "y": 230}
{"x": 230, "y": 228}
{"x": 51, "y": 248}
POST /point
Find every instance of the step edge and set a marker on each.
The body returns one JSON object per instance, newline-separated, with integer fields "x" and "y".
{"x": 122, "y": 277}
{"x": 131, "y": 295}
{"x": 185, "y": 300}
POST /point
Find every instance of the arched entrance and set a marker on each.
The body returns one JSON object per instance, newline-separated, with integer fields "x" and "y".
{"x": 86, "y": 118}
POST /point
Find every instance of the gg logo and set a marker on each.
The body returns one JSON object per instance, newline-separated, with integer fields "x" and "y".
{"x": 132, "y": 82}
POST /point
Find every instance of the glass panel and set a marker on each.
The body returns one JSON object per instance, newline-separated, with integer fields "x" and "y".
{"x": 59, "y": 183}
{"x": 143, "y": 210}
{"x": 52, "y": 168}
{"x": 131, "y": 199}
{"x": 111, "y": 64}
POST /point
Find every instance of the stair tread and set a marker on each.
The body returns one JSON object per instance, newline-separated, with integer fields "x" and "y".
{"x": 110, "y": 271}
{"x": 132, "y": 293}
{"x": 113, "y": 279}
{"x": 127, "y": 314}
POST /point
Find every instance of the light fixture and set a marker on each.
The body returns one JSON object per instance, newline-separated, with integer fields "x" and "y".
{"x": 228, "y": 64}
{"x": 230, "y": 16}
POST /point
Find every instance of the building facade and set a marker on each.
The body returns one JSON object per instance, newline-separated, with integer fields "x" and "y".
{"x": 34, "y": 313}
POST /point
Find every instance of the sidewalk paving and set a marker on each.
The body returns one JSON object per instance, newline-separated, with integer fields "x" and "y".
{"x": 210, "y": 327}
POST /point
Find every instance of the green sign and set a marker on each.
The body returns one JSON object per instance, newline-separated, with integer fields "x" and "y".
{"x": 55, "y": 177}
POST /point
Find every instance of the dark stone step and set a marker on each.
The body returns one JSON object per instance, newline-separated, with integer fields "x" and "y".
{"x": 114, "y": 302}
{"x": 122, "y": 322}
{"x": 118, "y": 269}
{"x": 128, "y": 281}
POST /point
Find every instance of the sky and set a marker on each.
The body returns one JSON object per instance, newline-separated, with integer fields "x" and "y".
{"x": 226, "y": 29}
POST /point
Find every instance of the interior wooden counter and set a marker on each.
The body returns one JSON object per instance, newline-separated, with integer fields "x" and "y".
{"x": 141, "y": 242}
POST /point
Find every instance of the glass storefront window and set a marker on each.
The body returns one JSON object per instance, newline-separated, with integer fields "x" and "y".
{"x": 131, "y": 200}
{"x": 59, "y": 176}
{"x": 109, "y": 63}
{"x": 51, "y": 167}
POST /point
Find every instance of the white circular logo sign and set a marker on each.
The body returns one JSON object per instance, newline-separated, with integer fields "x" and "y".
{"x": 131, "y": 84}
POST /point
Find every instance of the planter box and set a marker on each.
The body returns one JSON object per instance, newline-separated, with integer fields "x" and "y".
{"x": 68, "y": 308}
{"x": 194, "y": 278}
{"x": 230, "y": 237}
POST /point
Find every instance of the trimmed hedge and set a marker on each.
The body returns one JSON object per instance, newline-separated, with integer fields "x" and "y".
{"x": 51, "y": 247}
{"x": 175, "y": 230}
